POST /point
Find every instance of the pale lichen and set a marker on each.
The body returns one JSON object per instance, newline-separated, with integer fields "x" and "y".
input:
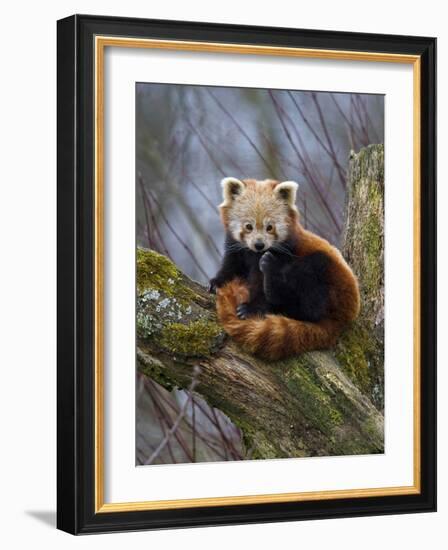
{"x": 167, "y": 315}
{"x": 360, "y": 349}
{"x": 156, "y": 272}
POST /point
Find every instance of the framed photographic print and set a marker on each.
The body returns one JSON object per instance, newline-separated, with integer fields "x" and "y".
{"x": 246, "y": 274}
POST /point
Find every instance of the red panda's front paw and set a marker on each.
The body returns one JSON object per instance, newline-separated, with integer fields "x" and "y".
{"x": 266, "y": 262}
{"x": 212, "y": 285}
{"x": 243, "y": 311}
{"x": 246, "y": 310}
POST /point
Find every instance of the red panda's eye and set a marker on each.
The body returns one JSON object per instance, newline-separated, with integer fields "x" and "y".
{"x": 248, "y": 227}
{"x": 269, "y": 227}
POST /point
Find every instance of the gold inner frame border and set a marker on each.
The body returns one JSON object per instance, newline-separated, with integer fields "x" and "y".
{"x": 101, "y": 42}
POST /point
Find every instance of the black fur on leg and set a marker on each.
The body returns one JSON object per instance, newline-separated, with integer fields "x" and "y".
{"x": 256, "y": 308}
{"x": 278, "y": 280}
{"x": 297, "y": 287}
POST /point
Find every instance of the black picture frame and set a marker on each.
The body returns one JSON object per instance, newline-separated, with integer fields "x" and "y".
{"x": 76, "y": 262}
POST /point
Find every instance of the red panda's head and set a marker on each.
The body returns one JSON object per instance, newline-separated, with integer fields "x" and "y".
{"x": 258, "y": 213}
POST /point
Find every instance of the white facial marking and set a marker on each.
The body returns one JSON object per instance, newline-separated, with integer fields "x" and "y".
{"x": 260, "y": 205}
{"x": 231, "y": 189}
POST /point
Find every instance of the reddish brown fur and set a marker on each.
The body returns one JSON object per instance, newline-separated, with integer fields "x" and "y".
{"x": 277, "y": 336}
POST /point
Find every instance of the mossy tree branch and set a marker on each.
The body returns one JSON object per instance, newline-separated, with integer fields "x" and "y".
{"x": 320, "y": 403}
{"x": 361, "y": 350}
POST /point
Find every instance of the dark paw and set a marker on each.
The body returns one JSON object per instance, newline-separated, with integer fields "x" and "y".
{"x": 267, "y": 261}
{"x": 212, "y": 286}
{"x": 243, "y": 311}
{"x": 246, "y": 310}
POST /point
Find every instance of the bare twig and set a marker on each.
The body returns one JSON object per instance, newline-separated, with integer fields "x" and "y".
{"x": 316, "y": 185}
{"x": 349, "y": 124}
{"x": 156, "y": 229}
{"x": 213, "y": 417}
{"x": 147, "y": 204}
{"x": 157, "y": 396}
{"x": 203, "y": 195}
{"x": 176, "y": 234}
{"x": 311, "y": 169}
{"x": 175, "y": 426}
{"x": 211, "y": 444}
{"x": 284, "y": 161}
{"x": 214, "y": 209}
{"x": 328, "y": 149}
{"x": 373, "y": 135}
{"x": 145, "y": 208}
{"x": 162, "y": 422}
{"x": 243, "y": 133}
{"x": 355, "y": 109}
{"x": 195, "y": 131}
{"x": 193, "y": 428}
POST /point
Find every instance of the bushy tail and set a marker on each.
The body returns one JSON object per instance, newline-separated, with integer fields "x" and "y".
{"x": 273, "y": 336}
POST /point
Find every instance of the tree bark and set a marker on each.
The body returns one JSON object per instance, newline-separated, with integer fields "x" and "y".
{"x": 317, "y": 404}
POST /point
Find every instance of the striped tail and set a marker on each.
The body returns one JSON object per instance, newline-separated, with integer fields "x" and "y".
{"x": 273, "y": 336}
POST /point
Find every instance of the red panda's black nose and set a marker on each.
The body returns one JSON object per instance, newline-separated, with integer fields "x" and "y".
{"x": 259, "y": 245}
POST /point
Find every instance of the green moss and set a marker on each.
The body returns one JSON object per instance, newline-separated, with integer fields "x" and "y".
{"x": 193, "y": 339}
{"x": 364, "y": 244}
{"x": 360, "y": 350}
{"x": 155, "y": 310}
{"x": 369, "y": 162}
{"x": 361, "y": 357}
{"x": 167, "y": 314}
{"x": 352, "y": 353}
{"x": 370, "y": 431}
{"x": 156, "y": 272}
{"x": 257, "y": 445}
{"x": 315, "y": 404}
{"x": 372, "y": 239}
{"x": 155, "y": 370}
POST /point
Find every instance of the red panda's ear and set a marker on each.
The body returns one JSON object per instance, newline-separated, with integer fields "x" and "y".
{"x": 286, "y": 192}
{"x": 231, "y": 188}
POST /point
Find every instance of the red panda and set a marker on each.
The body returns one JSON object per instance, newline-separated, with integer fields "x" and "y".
{"x": 281, "y": 290}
